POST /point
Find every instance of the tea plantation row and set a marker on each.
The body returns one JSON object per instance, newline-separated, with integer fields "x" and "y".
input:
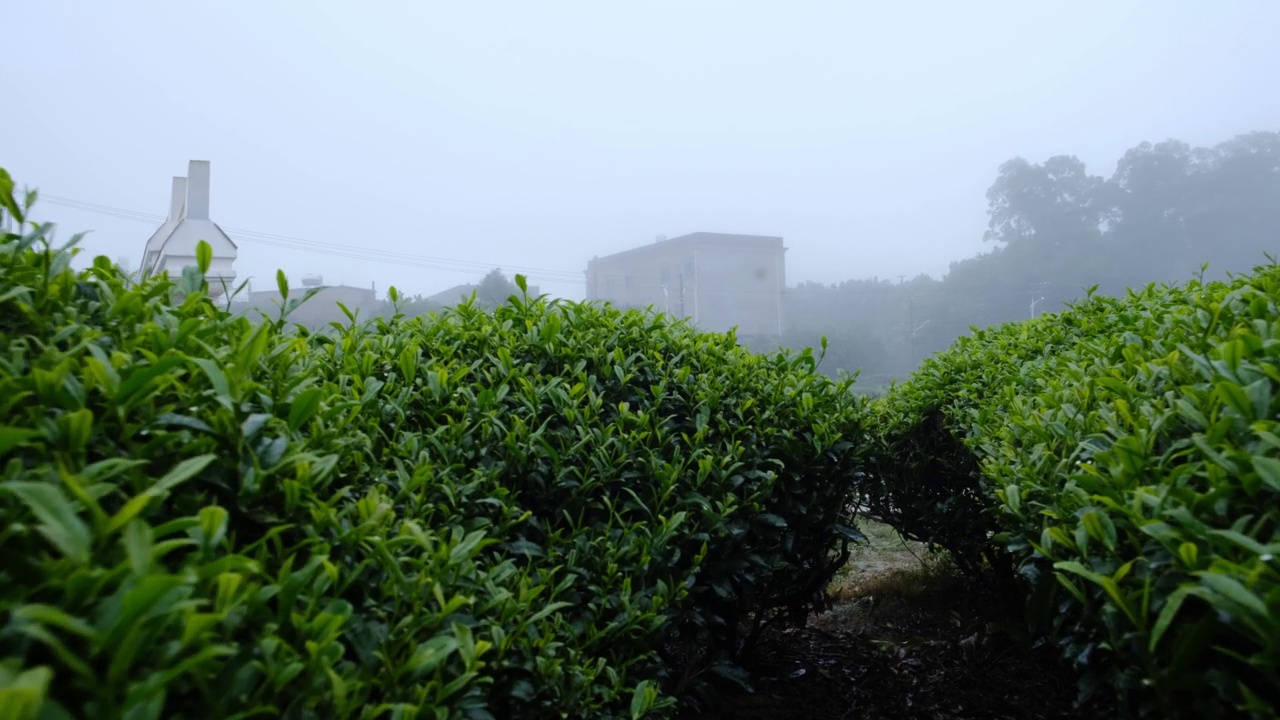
{"x": 1124, "y": 458}
{"x": 560, "y": 510}
{"x": 551, "y": 510}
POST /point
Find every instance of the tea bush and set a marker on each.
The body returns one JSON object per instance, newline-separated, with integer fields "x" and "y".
{"x": 927, "y": 482}
{"x": 550, "y": 510}
{"x": 1126, "y": 454}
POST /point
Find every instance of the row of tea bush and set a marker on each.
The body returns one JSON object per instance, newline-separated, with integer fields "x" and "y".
{"x": 549, "y": 510}
{"x": 1120, "y": 460}
{"x": 561, "y": 510}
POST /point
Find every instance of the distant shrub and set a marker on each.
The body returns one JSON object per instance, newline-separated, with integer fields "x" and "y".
{"x": 492, "y": 514}
{"x": 1126, "y": 454}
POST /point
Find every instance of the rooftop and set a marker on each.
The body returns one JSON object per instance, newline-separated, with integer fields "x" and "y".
{"x": 698, "y": 240}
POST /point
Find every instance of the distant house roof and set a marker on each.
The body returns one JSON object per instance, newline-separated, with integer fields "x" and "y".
{"x": 454, "y": 294}
{"x": 321, "y": 309}
{"x": 160, "y": 240}
{"x": 273, "y": 294}
{"x": 696, "y": 240}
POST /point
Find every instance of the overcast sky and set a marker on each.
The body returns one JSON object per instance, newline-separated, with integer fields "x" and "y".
{"x": 538, "y": 134}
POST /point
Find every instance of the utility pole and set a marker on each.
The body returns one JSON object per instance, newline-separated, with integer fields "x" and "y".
{"x": 911, "y": 325}
{"x": 682, "y": 315}
{"x": 914, "y": 329}
{"x": 1035, "y": 290}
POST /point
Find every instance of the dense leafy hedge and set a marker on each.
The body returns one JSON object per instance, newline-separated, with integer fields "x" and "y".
{"x": 550, "y": 510}
{"x": 927, "y": 482}
{"x": 1126, "y": 455}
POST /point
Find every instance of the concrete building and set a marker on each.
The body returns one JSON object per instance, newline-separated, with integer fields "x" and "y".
{"x": 717, "y": 280}
{"x": 172, "y": 247}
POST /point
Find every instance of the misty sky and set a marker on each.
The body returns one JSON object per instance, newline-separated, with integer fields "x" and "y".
{"x": 538, "y": 134}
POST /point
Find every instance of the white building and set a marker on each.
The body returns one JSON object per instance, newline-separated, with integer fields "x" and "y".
{"x": 173, "y": 246}
{"x": 718, "y": 280}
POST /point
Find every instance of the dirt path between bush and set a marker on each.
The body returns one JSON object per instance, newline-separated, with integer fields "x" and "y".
{"x": 906, "y": 639}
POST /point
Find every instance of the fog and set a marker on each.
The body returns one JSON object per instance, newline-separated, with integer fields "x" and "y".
{"x": 534, "y": 136}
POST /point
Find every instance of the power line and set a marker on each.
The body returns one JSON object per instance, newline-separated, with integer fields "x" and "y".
{"x": 332, "y": 249}
{"x": 304, "y": 244}
{"x": 328, "y": 248}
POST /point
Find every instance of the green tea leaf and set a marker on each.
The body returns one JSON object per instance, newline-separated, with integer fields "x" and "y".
{"x": 548, "y": 610}
{"x": 304, "y": 407}
{"x": 59, "y": 522}
{"x": 1099, "y": 526}
{"x": 735, "y": 674}
{"x": 181, "y": 473}
{"x": 253, "y": 424}
{"x": 1268, "y": 468}
{"x": 1234, "y": 397}
{"x": 430, "y": 655}
{"x": 218, "y": 379}
{"x": 1013, "y": 498}
{"x": 1167, "y": 614}
{"x": 22, "y": 697}
{"x": 141, "y": 378}
{"x": 6, "y": 197}
{"x": 252, "y": 347}
{"x": 213, "y": 525}
{"x": 50, "y": 616}
{"x": 204, "y": 256}
{"x": 1190, "y": 554}
{"x": 643, "y": 697}
{"x": 1233, "y": 591}
{"x": 137, "y": 539}
{"x": 12, "y": 437}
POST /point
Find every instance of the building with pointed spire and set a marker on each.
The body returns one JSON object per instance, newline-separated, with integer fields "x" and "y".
{"x": 173, "y": 245}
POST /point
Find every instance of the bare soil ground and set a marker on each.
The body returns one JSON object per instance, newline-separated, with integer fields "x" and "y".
{"x": 907, "y": 638}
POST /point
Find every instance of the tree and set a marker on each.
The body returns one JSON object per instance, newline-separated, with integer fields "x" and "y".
{"x": 1050, "y": 205}
{"x": 1048, "y": 220}
{"x": 1233, "y": 217}
{"x": 1178, "y": 208}
{"x": 1153, "y": 188}
{"x": 1057, "y": 231}
{"x": 495, "y": 289}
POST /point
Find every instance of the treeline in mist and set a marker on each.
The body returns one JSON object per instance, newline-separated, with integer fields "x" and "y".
{"x": 1056, "y": 231}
